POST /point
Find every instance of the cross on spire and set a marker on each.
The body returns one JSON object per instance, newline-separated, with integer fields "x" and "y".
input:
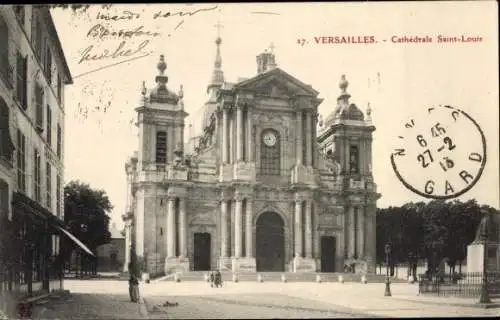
{"x": 218, "y": 26}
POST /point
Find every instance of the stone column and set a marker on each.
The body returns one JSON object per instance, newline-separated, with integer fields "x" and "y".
{"x": 127, "y": 245}
{"x": 231, "y": 137}
{"x": 299, "y": 137}
{"x": 298, "y": 228}
{"x": 248, "y": 227}
{"x": 224, "y": 136}
{"x": 239, "y": 133}
{"x": 361, "y": 232}
{"x": 352, "y": 232}
{"x": 223, "y": 228}
{"x": 171, "y": 228}
{"x": 182, "y": 228}
{"x": 370, "y": 235}
{"x": 314, "y": 141}
{"x": 181, "y": 137}
{"x": 238, "y": 227}
{"x": 347, "y": 155}
{"x": 249, "y": 135}
{"x": 369, "y": 155}
{"x": 308, "y": 229}
{"x": 309, "y": 139}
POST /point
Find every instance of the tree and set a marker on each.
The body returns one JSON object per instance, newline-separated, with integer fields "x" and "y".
{"x": 86, "y": 214}
{"x": 436, "y": 230}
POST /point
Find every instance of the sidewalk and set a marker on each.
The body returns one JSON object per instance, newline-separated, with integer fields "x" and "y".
{"x": 404, "y": 301}
{"x": 90, "y": 306}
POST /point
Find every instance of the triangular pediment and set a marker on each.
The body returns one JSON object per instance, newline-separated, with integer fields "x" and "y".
{"x": 276, "y": 83}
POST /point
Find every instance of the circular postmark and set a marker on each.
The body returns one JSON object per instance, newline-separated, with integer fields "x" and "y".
{"x": 441, "y": 154}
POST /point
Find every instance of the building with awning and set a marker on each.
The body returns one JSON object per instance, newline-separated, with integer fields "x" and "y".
{"x": 33, "y": 76}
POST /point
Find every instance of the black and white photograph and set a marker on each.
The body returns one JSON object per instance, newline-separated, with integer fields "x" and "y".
{"x": 249, "y": 160}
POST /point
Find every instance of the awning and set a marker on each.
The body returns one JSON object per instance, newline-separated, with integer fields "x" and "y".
{"x": 75, "y": 239}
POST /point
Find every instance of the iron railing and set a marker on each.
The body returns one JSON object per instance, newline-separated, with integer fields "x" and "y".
{"x": 459, "y": 284}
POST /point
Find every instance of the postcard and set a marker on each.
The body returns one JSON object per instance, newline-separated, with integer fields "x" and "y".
{"x": 250, "y": 160}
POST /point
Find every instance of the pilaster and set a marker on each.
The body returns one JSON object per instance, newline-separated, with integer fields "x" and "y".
{"x": 224, "y": 136}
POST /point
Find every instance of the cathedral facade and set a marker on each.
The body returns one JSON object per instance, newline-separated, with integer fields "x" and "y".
{"x": 266, "y": 186}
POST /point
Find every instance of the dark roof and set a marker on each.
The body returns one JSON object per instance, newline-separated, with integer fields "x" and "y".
{"x": 45, "y": 12}
{"x": 352, "y": 113}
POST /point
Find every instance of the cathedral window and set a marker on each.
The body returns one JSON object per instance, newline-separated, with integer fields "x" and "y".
{"x": 354, "y": 159}
{"x": 161, "y": 147}
{"x": 270, "y": 153}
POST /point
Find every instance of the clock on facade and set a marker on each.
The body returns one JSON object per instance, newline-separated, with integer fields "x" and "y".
{"x": 269, "y": 139}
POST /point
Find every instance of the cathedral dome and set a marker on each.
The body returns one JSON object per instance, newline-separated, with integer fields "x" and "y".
{"x": 352, "y": 113}
{"x": 163, "y": 95}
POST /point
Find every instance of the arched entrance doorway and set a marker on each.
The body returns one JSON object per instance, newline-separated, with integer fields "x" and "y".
{"x": 270, "y": 242}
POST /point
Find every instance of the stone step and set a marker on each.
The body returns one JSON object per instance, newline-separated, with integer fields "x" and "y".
{"x": 290, "y": 277}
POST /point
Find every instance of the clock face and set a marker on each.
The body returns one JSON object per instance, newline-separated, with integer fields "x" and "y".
{"x": 269, "y": 139}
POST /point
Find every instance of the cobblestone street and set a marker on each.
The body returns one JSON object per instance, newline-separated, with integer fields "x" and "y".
{"x": 108, "y": 299}
{"x": 92, "y": 299}
{"x": 301, "y": 300}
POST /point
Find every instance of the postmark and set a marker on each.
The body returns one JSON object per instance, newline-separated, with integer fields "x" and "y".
{"x": 440, "y": 154}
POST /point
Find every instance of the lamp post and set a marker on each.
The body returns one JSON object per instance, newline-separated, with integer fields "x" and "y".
{"x": 82, "y": 266}
{"x": 387, "y": 292}
{"x": 485, "y": 296}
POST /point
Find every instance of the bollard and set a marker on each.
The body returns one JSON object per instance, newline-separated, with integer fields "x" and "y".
{"x": 177, "y": 278}
{"x": 363, "y": 279}
{"x": 341, "y": 279}
{"x": 318, "y": 278}
{"x": 259, "y": 278}
{"x": 283, "y": 278}
{"x": 411, "y": 280}
{"x": 235, "y": 277}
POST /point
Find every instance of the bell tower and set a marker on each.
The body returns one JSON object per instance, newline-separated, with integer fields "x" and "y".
{"x": 346, "y": 139}
{"x": 161, "y": 119}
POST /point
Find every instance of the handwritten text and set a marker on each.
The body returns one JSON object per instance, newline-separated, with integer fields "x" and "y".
{"x": 89, "y": 55}
{"x": 100, "y": 31}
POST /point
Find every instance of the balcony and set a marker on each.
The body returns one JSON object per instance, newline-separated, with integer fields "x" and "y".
{"x": 157, "y": 173}
{"x": 244, "y": 171}
{"x": 303, "y": 175}
{"x": 281, "y": 177}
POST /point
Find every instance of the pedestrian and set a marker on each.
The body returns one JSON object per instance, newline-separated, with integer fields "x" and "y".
{"x": 133, "y": 285}
{"x": 212, "y": 279}
{"x": 218, "y": 277}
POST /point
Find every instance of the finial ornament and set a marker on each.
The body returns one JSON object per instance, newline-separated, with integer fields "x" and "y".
{"x": 343, "y": 83}
{"x": 162, "y": 65}
{"x": 271, "y": 47}
{"x": 368, "y": 109}
{"x": 143, "y": 89}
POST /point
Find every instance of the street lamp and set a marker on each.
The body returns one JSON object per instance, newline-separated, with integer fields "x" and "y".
{"x": 485, "y": 297}
{"x": 387, "y": 280}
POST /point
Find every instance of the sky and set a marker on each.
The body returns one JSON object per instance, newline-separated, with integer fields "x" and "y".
{"x": 399, "y": 80}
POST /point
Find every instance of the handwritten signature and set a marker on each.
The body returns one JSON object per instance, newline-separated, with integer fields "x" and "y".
{"x": 167, "y": 14}
{"x": 88, "y": 53}
{"x": 100, "y": 31}
{"x": 130, "y": 52}
{"x": 129, "y": 15}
